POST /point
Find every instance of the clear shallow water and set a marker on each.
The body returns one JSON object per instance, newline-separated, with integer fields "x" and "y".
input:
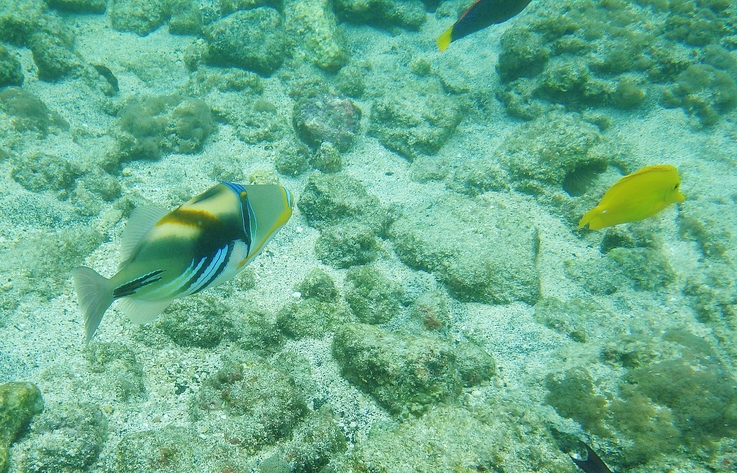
{"x": 495, "y": 335}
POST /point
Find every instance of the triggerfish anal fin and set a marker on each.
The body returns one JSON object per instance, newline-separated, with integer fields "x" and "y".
{"x": 481, "y": 14}
{"x": 592, "y": 463}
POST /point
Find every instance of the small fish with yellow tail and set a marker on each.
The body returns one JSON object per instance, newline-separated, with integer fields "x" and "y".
{"x": 635, "y": 197}
{"x": 168, "y": 255}
{"x": 481, "y": 14}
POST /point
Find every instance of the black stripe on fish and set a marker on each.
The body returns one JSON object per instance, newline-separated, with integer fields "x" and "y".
{"x": 131, "y": 287}
{"x": 210, "y": 260}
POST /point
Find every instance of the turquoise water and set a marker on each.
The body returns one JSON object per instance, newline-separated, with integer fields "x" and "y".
{"x": 431, "y": 304}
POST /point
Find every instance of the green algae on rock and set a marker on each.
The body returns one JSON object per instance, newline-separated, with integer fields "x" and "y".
{"x": 327, "y": 158}
{"x": 314, "y": 442}
{"x": 260, "y": 402}
{"x": 431, "y": 309}
{"x": 18, "y": 19}
{"x": 252, "y": 39}
{"x": 406, "y": 374}
{"x": 138, "y": 16}
{"x": 118, "y": 364}
{"x": 329, "y": 199}
{"x": 704, "y": 91}
{"x": 351, "y": 79}
{"x": 327, "y": 118}
{"x": 549, "y": 151}
{"x": 19, "y": 403}
{"x": 26, "y": 111}
{"x": 202, "y": 321}
{"x": 10, "y": 69}
{"x": 79, "y": 6}
{"x": 187, "y": 17}
{"x": 713, "y": 292}
{"x": 205, "y": 80}
{"x": 39, "y": 172}
{"x": 312, "y": 318}
{"x": 643, "y": 269}
{"x": 454, "y": 439}
{"x": 373, "y": 297}
{"x": 346, "y": 245}
{"x": 68, "y": 437}
{"x": 414, "y": 122}
{"x": 673, "y": 393}
{"x": 171, "y": 449}
{"x": 451, "y": 239}
{"x": 573, "y": 396}
{"x": 318, "y": 285}
{"x": 408, "y": 14}
{"x": 292, "y": 158}
{"x": 312, "y": 30}
{"x": 601, "y": 54}
{"x": 169, "y": 123}
{"x": 573, "y": 318}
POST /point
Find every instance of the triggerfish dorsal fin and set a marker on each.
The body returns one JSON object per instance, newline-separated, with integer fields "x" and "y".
{"x": 141, "y": 221}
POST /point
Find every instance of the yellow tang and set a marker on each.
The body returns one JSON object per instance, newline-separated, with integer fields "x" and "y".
{"x": 635, "y": 197}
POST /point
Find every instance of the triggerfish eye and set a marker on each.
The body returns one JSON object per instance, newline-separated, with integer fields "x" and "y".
{"x": 167, "y": 255}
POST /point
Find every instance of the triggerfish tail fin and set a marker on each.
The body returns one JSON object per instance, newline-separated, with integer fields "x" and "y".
{"x": 95, "y": 294}
{"x": 445, "y": 39}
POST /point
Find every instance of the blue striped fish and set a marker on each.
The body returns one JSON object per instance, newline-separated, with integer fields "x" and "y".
{"x": 168, "y": 255}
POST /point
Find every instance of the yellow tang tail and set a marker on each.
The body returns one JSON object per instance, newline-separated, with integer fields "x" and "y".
{"x": 445, "y": 39}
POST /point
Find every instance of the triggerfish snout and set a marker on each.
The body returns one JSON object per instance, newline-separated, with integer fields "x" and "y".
{"x": 168, "y": 255}
{"x": 635, "y": 197}
{"x": 481, "y": 14}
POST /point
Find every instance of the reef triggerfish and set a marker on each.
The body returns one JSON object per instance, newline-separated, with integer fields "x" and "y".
{"x": 168, "y": 255}
{"x": 481, "y": 14}
{"x": 635, "y": 197}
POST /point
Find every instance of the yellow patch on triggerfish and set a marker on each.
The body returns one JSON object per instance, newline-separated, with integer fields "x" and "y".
{"x": 635, "y": 197}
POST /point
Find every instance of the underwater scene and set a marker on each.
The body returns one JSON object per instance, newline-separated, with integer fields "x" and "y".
{"x": 335, "y": 236}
